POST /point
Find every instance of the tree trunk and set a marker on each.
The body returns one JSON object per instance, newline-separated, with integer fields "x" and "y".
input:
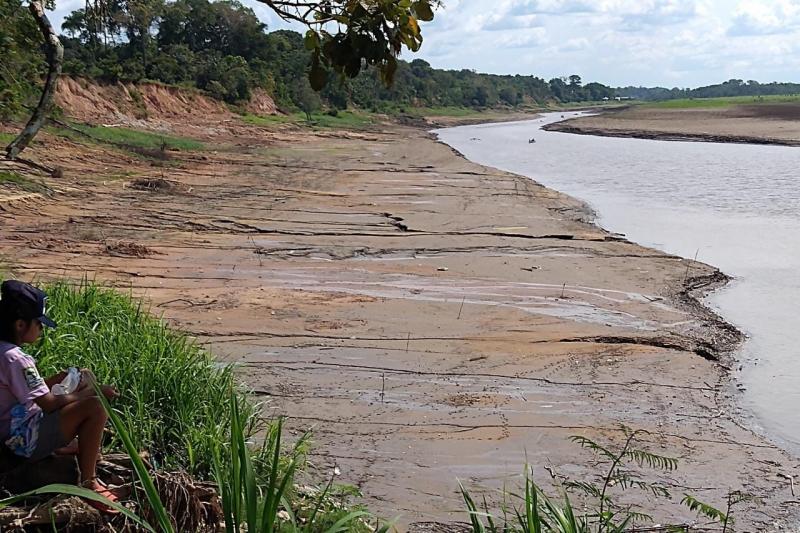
{"x": 144, "y": 52}
{"x": 55, "y": 55}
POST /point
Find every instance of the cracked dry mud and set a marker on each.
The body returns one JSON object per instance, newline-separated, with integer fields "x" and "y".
{"x": 431, "y": 319}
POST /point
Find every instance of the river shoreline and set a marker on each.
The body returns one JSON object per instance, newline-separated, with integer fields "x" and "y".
{"x": 743, "y": 124}
{"x": 565, "y": 127}
{"x": 432, "y": 319}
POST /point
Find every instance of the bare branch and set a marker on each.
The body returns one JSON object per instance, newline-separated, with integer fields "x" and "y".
{"x": 55, "y": 55}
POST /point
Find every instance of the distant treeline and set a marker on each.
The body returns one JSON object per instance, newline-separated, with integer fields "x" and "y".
{"x": 726, "y": 89}
{"x": 222, "y": 48}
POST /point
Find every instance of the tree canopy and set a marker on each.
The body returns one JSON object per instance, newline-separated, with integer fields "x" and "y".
{"x": 222, "y": 48}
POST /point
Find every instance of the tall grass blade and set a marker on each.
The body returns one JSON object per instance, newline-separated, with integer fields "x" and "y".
{"x": 532, "y": 505}
{"x": 477, "y": 525}
{"x": 320, "y": 501}
{"x": 246, "y": 472}
{"x": 162, "y": 518}
{"x": 343, "y": 524}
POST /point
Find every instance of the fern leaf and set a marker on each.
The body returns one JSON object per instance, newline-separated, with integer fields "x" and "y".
{"x": 587, "y": 488}
{"x": 592, "y": 445}
{"x": 652, "y": 460}
{"x": 704, "y": 509}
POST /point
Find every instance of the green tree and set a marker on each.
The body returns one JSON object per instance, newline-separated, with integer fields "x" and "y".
{"x": 559, "y": 88}
{"x": 139, "y": 17}
{"x": 307, "y": 98}
{"x": 21, "y": 63}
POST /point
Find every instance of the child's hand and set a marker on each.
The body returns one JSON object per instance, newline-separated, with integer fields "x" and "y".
{"x": 109, "y": 391}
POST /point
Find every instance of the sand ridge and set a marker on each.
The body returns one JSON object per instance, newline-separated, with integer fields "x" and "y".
{"x": 749, "y": 124}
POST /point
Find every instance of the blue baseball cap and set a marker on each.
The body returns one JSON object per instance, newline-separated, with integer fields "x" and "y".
{"x": 25, "y": 301}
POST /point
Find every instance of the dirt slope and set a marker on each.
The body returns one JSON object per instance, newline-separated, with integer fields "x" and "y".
{"x": 130, "y": 103}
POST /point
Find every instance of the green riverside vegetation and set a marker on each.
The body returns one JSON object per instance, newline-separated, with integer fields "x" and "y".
{"x": 126, "y": 137}
{"x": 20, "y": 181}
{"x": 187, "y": 412}
{"x": 169, "y": 386}
{"x": 727, "y": 101}
{"x": 335, "y": 119}
{"x": 223, "y": 49}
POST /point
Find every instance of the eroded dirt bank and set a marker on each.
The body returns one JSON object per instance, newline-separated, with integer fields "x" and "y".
{"x": 753, "y": 124}
{"x": 431, "y": 319}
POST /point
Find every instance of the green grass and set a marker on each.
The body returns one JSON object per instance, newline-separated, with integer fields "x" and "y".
{"x": 6, "y": 138}
{"x": 20, "y": 181}
{"x": 269, "y": 120}
{"x": 343, "y": 119}
{"x": 129, "y": 137}
{"x": 456, "y": 112}
{"x": 693, "y": 103}
{"x": 171, "y": 388}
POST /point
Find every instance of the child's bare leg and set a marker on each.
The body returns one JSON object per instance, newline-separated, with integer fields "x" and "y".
{"x": 85, "y": 418}
{"x": 69, "y": 449}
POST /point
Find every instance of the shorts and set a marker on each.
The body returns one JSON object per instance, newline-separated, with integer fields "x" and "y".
{"x": 50, "y": 436}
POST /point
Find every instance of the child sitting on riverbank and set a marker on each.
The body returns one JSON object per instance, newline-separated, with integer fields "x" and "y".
{"x": 35, "y": 422}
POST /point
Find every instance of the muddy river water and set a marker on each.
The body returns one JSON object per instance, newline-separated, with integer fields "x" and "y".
{"x": 734, "y": 206}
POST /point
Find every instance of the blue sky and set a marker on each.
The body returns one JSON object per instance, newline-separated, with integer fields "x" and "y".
{"x": 684, "y": 43}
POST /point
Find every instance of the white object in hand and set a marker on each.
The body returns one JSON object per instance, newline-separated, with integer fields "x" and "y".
{"x": 69, "y": 384}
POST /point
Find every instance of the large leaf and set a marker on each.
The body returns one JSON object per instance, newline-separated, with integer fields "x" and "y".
{"x": 423, "y": 10}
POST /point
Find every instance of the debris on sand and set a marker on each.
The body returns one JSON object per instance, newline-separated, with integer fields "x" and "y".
{"x": 193, "y": 504}
{"x": 127, "y": 249}
{"x": 158, "y": 185}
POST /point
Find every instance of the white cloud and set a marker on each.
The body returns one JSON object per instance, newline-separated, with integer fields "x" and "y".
{"x": 554, "y": 7}
{"x": 575, "y": 45}
{"x": 760, "y": 18}
{"x": 498, "y": 23}
{"x": 619, "y": 42}
{"x": 528, "y": 39}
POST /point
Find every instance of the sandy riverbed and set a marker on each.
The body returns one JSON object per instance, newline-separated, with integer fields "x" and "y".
{"x": 756, "y": 123}
{"x": 429, "y": 318}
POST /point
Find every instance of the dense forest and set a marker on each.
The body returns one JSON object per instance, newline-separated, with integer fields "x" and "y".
{"x": 223, "y": 49}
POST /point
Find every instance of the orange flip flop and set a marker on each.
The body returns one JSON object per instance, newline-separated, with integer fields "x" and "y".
{"x": 105, "y": 492}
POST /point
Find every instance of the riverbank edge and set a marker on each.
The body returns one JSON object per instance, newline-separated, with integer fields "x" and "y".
{"x": 688, "y": 296}
{"x": 497, "y": 117}
{"x": 566, "y": 127}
